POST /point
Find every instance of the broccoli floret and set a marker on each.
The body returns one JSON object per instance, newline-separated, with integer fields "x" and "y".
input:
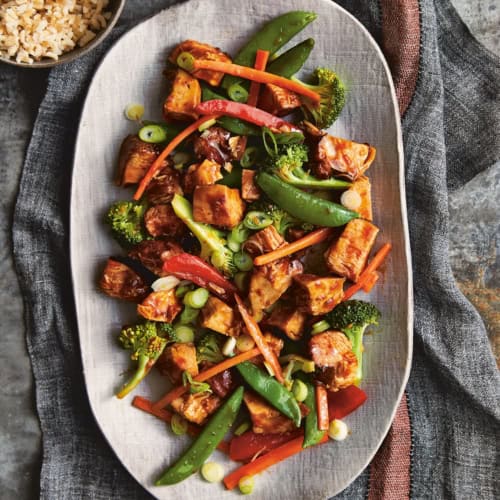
{"x": 126, "y": 221}
{"x": 332, "y": 100}
{"x": 289, "y": 165}
{"x": 146, "y": 341}
{"x": 213, "y": 242}
{"x": 352, "y": 317}
{"x": 209, "y": 348}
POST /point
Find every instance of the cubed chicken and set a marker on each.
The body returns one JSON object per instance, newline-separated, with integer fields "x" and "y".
{"x": 164, "y": 185}
{"x": 220, "y": 317}
{"x": 119, "y": 281}
{"x": 318, "y": 295}
{"x": 176, "y": 359}
{"x": 249, "y": 190}
{"x": 223, "y": 383}
{"x": 269, "y": 282}
{"x": 289, "y": 320}
{"x": 265, "y": 418}
{"x": 278, "y": 101}
{"x": 201, "y": 174}
{"x": 185, "y": 95}
{"x": 204, "y": 52}
{"x": 275, "y": 343}
{"x": 360, "y": 191}
{"x": 163, "y": 305}
{"x": 152, "y": 253}
{"x": 218, "y": 205}
{"x": 161, "y": 221}
{"x": 348, "y": 255}
{"x": 332, "y": 353}
{"x": 263, "y": 241}
{"x": 196, "y": 408}
{"x": 134, "y": 159}
{"x": 216, "y": 144}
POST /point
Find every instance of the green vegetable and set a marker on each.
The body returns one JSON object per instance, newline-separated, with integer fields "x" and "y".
{"x": 304, "y": 206}
{"x": 212, "y": 472}
{"x": 271, "y": 37}
{"x": 241, "y": 281}
{"x": 178, "y": 425}
{"x": 184, "y": 334}
{"x": 290, "y": 62}
{"x": 299, "y": 390}
{"x": 212, "y": 240}
{"x": 299, "y": 363}
{"x": 271, "y": 390}
{"x": 237, "y": 93}
{"x": 246, "y": 485}
{"x": 146, "y": 341}
{"x": 312, "y": 435}
{"x": 241, "y": 429}
{"x": 194, "y": 386}
{"x": 319, "y": 327}
{"x": 188, "y": 315}
{"x": 196, "y": 298}
{"x": 243, "y": 261}
{"x": 153, "y": 134}
{"x": 126, "y": 219}
{"x": 352, "y": 317}
{"x": 257, "y": 220}
{"x": 249, "y": 157}
{"x": 269, "y": 141}
{"x": 181, "y": 290}
{"x": 209, "y": 348}
{"x": 211, "y": 435}
{"x": 232, "y": 179}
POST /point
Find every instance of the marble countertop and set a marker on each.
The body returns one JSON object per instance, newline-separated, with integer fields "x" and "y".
{"x": 473, "y": 251}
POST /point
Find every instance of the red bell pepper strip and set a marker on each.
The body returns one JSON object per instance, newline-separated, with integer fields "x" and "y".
{"x": 190, "y": 267}
{"x": 247, "y": 113}
{"x": 243, "y": 448}
{"x": 345, "y": 401}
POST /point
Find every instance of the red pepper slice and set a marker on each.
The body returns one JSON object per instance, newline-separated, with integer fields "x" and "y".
{"x": 243, "y": 448}
{"x": 345, "y": 401}
{"x": 190, "y": 267}
{"x": 247, "y": 113}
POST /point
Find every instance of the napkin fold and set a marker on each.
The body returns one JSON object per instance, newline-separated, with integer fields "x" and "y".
{"x": 443, "y": 443}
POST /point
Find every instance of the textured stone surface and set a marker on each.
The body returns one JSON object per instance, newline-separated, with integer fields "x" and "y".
{"x": 473, "y": 251}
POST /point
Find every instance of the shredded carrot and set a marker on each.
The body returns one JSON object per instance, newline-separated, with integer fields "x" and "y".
{"x": 156, "y": 165}
{"x": 264, "y": 348}
{"x": 260, "y": 64}
{"x": 256, "y": 76}
{"x": 308, "y": 240}
{"x": 205, "y": 375}
{"x": 370, "y": 268}
{"x": 264, "y": 461}
{"x": 322, "y": 407}
{"x": 370, "y": 282}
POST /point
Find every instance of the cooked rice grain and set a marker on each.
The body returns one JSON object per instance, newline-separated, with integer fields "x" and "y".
{"x": 32, "y": 30}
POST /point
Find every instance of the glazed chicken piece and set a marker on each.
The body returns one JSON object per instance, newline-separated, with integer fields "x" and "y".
{"x": 161, "y": 221}
{"x": 289, "y": 320}
{"x": 176, "y": 359}
{"x": 318, "y": 295}
{"x": 221, "y": 318}
{"x": 218, "y": 205}
{"x": 263, "y": 241}
{"x": 249, "y": 190}
{"x": 152, "y": 253}
{"x": 163, "y": 305}
{"x": 201, "y": 174}
{"x": 278, "y": 101}
{"x": 332, "y": 353}
{"x": 216, "y": 144}
{"x": 362, "y": 188}
{"x": 196, "y": 408}
{"x": 164, "y": 185}
{"x": 222, "y": 384}
{"x": 348, "y": 255}
{"x": 120, "y": 281}
{"x": 204, "y": 52}
{"x": 134, "y": 159}
{"x": 183, "y": 98}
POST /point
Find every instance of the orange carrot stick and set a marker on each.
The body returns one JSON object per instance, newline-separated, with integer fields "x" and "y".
{"x": 156, "y": 165}
{"x": 264, "y": 348}
{"x": 261, "y": 58}
{"x": 205, "y": 375}
{"x": 308, "y": 240}
{"x": 254, "y": 75}
{"x": 322, "y": 407}
{"x": 264, "y": 461}
{"x": 370, "y": 282}
{"x": 370, "y": 268}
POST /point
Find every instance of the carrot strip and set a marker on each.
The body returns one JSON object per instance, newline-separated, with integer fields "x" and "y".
{"x": 370, "y": 282}
{"x": 264, "y": 348}
{"x": 308, "y": 240}
{"x": 156, "y": 165}
{"x": 205, "y": 375}
{"x": 265, "y": 461}
{"x": 322, "y": 407}
{"x": 370, "y": 268}
{"x": 261, "y": 59}
{"x": 256, "y": 76}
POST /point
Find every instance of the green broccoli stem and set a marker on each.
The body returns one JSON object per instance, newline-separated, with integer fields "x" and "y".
{"x": 355, "y": 335}
{"x": 144, "y": 365}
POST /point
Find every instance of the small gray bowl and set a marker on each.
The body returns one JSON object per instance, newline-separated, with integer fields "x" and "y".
{"x": 115, "y": 7}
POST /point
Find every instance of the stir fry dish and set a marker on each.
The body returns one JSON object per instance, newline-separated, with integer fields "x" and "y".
{"x": 249, "y": 231}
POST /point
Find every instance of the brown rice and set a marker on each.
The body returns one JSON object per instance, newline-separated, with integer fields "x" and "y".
{"x": 33, "y": 29}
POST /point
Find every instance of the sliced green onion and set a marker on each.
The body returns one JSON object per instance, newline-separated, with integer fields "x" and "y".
{"x": 232, "y": 243}
{"x": 240, "y": 233}
{"x": 338, "y": 430}
{"x": 181, "y": 290}
{"x": 196, "y": 298}
{"x": 134, "y": 111}
{"x": 228, "y": 347}
{"x": 245, "y": 342}
{"x": 194, "y": 386}
{"x": 188, "y": 315}
{"x": 320, "y": 326}
{"x": 218, "y": 259}
{"x": 300, "y": 363}
{"x": 165, "y": 283}
{"x": 237, "y": 93}
{"x": 289, "y": 138}
{"x": 267, "y": 133}
{"x": 185, "y": 60}
{"x": 154, "y": 134}
{"x": 242, "y": 428}
{"x": 246, "y": 484}
{"x": 249, "y": 157}
{"x": 207, "y": 124}
{"x": 243, "y": 261}
{"x": 257, "y": 220}
{"x": 184, "y": 334}
{"x": 178, "y": 425}
{"x": 241, "y": 281}
{"x": 299, "y": 390}
{"x": 212, "y": 472}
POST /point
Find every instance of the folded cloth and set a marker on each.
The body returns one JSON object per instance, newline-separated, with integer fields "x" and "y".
{"x": 443, "y": 443}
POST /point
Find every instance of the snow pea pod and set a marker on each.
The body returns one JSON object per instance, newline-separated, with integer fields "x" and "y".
{"x": 304, "y": 206}
{"x": 211, "y": 435}
{"x": 290, "y": 62}
{"x": 312, "y": 435}
{"x": 271, "y": 37}
{"x": 271, "y": 390}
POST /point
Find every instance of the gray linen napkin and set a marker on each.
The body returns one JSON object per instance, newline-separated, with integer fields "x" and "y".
{"x": 453, "y": 391}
